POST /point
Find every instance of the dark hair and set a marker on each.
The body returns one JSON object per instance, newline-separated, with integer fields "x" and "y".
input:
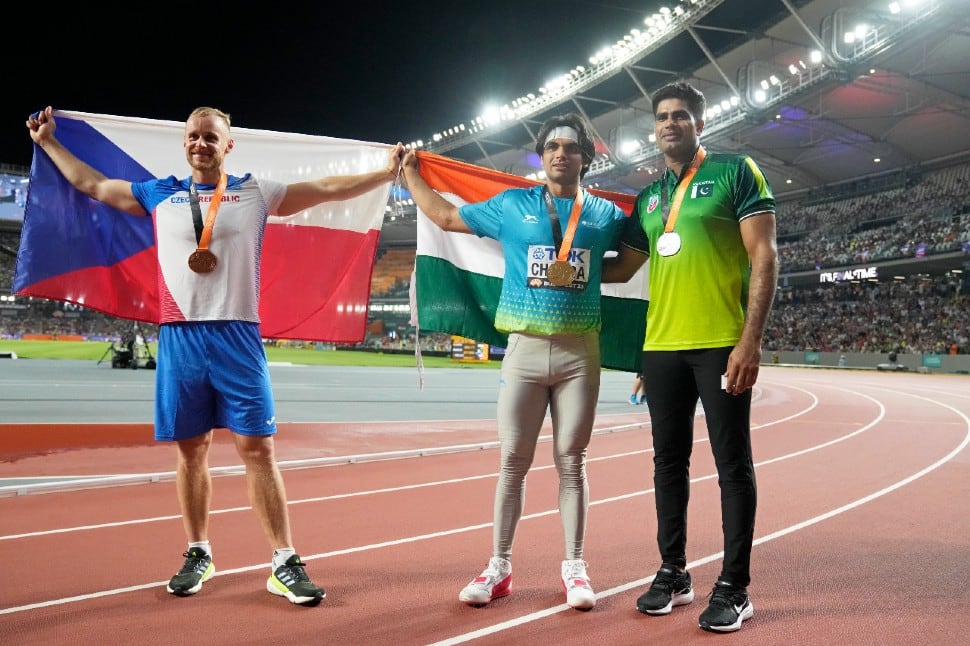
{"x": 576, "y": 122}
{"x": 696, "y": 104}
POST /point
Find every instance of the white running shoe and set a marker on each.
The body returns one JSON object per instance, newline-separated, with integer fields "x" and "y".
{"x": 579, "y": 593}
{"x": 495, "y": 581}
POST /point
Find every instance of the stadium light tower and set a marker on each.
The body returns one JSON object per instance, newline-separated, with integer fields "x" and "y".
{"x": 660, "y": 28}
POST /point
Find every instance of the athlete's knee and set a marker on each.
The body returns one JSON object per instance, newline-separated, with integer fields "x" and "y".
{"x": 194, "y": 449}
{"x": 255, "y": 448}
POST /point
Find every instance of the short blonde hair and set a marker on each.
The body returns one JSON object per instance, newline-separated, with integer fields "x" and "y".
{"x": 212, "y": 112}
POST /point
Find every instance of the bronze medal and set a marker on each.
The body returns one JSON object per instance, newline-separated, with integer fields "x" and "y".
{"x": 202, "y": 261}
{"x": 561, "y": 273}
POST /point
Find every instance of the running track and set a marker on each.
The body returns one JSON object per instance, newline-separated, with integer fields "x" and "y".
{"x": 863, "y": 535}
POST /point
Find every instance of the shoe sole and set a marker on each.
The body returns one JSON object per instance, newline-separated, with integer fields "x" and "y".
{"x": 307, "y": 602}
{"x": 292, "y": 598}
{"x": 479, "y": 604}
{"x": 300, "y": 601}
{"x": 746, "y": 614}
{"x": 675, "y": 600}
{"x": 583, "y": 604}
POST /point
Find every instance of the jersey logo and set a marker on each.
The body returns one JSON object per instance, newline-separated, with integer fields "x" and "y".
{"x": 705, "y": 189}
{"x": 652, "y": 204}
{"x": 540, "y": 257}
{"x": 528, "y": 218}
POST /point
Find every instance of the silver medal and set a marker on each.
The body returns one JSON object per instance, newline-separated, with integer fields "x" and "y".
{"x": 668, "y": 244}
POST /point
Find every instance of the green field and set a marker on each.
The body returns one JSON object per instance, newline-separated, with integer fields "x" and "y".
{"x": 89, "y": 350}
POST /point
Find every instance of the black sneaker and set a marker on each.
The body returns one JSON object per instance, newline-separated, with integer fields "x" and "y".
{"x": 729, "y": 606}
{"x": 670, "y": 588}
{"x": 290, "y": 580}
{"x": 197, "y": 569}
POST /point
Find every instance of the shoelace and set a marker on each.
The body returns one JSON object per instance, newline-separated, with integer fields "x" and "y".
{"x": 577, "y": 570}
{"x": 665, "y": 581}
{"x": 725, "y": 597}
{"x": 492, "y": 573}
{"x": 298, "y": 573}
{"x": 193, "y": 563}
{"x": 491, "y": 577}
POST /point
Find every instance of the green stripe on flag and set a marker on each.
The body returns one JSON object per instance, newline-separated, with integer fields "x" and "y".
{"x": 460, "y": 302}
{"x": 624, "y": 327}
{"x": 456, "y": 301}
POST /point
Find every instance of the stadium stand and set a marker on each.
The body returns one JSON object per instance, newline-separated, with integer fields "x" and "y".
{"x": 392, "y": 272}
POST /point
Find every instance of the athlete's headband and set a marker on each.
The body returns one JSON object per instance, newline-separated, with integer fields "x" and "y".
{"x": 563, "y": 132}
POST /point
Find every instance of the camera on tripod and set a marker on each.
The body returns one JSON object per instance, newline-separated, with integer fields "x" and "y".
{"x": 130, "y": 352}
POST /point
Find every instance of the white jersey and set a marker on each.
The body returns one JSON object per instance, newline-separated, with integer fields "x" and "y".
{"x": 231, "y": 291}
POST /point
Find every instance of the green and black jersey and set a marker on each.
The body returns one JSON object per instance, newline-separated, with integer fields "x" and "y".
{"x": 698, "y": 295}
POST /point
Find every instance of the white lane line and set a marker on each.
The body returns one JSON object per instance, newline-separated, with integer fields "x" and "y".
{"x": 240, "y": 470}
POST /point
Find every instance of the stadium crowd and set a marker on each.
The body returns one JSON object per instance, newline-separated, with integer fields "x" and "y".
{"x": 916, "y": 218}
{"x": 922, "y": 315}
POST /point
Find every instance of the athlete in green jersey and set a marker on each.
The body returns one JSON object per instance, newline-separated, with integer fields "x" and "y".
{"x": 708, "y": 228}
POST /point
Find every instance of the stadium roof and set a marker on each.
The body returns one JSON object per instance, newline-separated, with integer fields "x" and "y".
{"x": 895, "y": 99}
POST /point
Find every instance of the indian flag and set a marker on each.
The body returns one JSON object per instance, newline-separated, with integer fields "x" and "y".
{"x": 458, "y": 277}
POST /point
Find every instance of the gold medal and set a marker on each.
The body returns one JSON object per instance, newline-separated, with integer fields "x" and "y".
{"x": 561, "y": 273}
{"x": 202, "y": 261}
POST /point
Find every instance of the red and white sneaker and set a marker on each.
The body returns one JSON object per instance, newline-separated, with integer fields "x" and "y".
{"x": 495, "y": 581}
{"x": 575, "y": 581}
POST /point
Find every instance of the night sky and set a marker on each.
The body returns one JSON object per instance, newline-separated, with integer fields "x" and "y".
{"x": 374, "y": 71}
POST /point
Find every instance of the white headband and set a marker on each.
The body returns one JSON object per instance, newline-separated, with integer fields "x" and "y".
{"x": 563, "y": 132}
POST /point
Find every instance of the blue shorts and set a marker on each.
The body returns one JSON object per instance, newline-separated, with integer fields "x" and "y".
{"x": 212, "y": 375}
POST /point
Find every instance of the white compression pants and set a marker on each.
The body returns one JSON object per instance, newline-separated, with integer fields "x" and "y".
{"x": 561, "y": 374}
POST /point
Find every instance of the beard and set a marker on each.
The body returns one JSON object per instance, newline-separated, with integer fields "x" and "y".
{"x": 203, "y": 162}
{"x": 681, "y": 149}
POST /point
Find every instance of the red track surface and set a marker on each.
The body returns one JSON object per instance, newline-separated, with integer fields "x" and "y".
{"x": 862, "y": 537}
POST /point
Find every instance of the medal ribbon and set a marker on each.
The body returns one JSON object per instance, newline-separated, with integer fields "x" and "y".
{"x": 203, "y": 234}
{"x": 563, "y": 243}
{"x": 671, "y": 217}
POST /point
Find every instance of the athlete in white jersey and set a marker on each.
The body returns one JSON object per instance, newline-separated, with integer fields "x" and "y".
{"x": 212, "y": 369}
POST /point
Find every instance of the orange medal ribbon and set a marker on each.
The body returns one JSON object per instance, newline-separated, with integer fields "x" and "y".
{"x": 202, "y": 260}
{"x": 561, "y": 273}
{"x": 669, "y": 243}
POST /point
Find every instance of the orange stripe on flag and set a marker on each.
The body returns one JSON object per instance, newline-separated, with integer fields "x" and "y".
{"x": 476, "y": 184}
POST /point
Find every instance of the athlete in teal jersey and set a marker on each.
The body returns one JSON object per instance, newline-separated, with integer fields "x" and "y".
{"x": 708, "y": 228}
{"x": 551, "y": 312}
